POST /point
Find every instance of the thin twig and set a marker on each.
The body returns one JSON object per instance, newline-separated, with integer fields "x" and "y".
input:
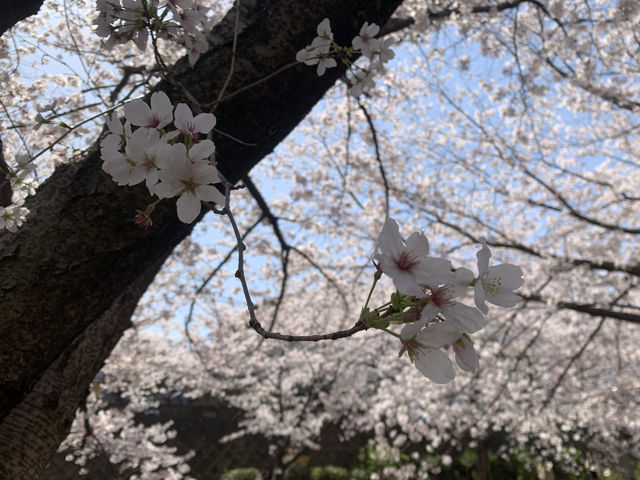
{"x": 254, "y": 322}
{"x": 584, "y": 346}
{"x": 201, "y": 288}
{"x": 233, "y": 57}
{"x": 378, "y": 157}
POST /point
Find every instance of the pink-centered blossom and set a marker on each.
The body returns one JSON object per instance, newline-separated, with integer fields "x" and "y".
{"x": 362, "y": 80}
{"x": 190, "y": 125}
{"x": 191, "y": 180}
{"x": 144, "y": 148}
{"x": 187, "y": 16}
{"x": 425, "y": 352}
{"x": 441, "y": 303}
{"x": 317, "y": 54}
{"x": 158, "y": 115}
{"x": 407, "y": 262}
{"x": 366, "y": 41}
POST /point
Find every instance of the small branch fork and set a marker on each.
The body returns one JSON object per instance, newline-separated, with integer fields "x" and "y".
{"x": 253, "y": 320}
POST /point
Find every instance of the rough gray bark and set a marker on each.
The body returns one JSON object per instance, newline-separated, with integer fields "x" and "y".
{"x": 73, "y": 274}
{"x": 483, "y": 466}
{"x": 15, "y": 10}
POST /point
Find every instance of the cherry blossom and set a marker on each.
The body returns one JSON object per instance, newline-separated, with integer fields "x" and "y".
{"x": 143, "y": 149}
{"x": 190, "y": 125}
{"x": 496, "y": 284}
{"x": 115, "y": 163}
{"x": 13, "y": 216}
{"x": 190, "y": 180}
{"x": 466, "y": 319}
{"x": 121, "y": 21}
{"x": 425, "y": 352}
{"x": 386, "y": 53}
{"x": 322, "y": 49}
{"x": 317, "y": 53}
{"x": 159, "y": 115}
{"x": 187, "y": 15}
{"x": 366, "y": 40}
{"x": 407, "y": 262}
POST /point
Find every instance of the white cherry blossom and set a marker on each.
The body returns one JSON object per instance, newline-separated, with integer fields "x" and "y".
{"x": 13, "y": 216}
{"x": 190, "y": 125}
{"x": 159, "y": 115}
{"x": 496, "y": 284}
{"x": 366, "y": 41}
{"x": 318, "y": 54}
{"x": 407, "y": 263}
{"x": 190, "y": 180}
{"x": 144, "y": 148}
{"x": 425, "y": 352}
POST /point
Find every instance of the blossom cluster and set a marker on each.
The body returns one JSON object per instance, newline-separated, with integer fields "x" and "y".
{"x": 22, "y": 180}
{"x": 13, "y": 216}
{"x": 121, "y": 21}
{"x": 323, "y": 51}
{"x": 170, "y": 162}
{"x": 426, "y": 301}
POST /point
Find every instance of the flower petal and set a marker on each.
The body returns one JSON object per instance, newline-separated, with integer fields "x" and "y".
{"x": 435, "y": 365}
{"x": 188, "y": 207}
{"x": 483, "y": 256}
{"x": 410, "y": 330}
{"x": 162, "y": 109}
{"x": 510, "y": 275}
{"x": 478, "y": 297}
{"x": 390, "y": 241}
{"x": 168, "y": 188}
{"x": 406, "y": 284}
{"x": 466, "y": 355}
{"x": 432, "y": 272}
{"x": 439, "y": 334}
{"x": 201, "y": 150}
{"x": 467, "y": 319}
{"x": 462, "y": 279}
{"x": 418, "y": 244}
{"x": 209, "y": 193}
{"x": 137, "y": 112}
{"x": 183, "y": 118}
{"x": 504, "y": 299}
{"x": 429, "y": 311}
{"x": 204, "y": 122}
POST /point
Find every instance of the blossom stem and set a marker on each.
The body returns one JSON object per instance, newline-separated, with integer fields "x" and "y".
{"x": 391, "y": 332}
{"x": 373, "y": 286}
{"x": 382, "y": 307}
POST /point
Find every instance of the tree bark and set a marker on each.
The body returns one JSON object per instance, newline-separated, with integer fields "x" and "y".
{"x": 15, "y": 10}
{"x": 73, "y": 274}
{"x": 483, "y": 466}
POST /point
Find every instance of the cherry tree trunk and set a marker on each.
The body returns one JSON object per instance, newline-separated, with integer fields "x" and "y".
{"x": 483, "y": 466}
{"x": 15, "y": 10}
{"x": 73, "y": 274}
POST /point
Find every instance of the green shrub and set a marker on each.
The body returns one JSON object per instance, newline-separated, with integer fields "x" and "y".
{"x": 329, "y": 472}
{"x": 297, "y": 471}
{"x": 241, "y": 474}
{"x": 359, "y": 474}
